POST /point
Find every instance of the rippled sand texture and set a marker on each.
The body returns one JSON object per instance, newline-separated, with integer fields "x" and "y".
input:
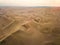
{"x": 30, "y": 26}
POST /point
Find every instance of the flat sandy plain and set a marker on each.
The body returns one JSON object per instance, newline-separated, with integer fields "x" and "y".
{"x": 29, "y": 26}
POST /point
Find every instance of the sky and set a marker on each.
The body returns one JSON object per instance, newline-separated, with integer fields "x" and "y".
{"x": 29, "y": 2}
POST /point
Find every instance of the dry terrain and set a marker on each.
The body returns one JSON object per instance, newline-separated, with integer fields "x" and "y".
{"x": 29, "y": 26}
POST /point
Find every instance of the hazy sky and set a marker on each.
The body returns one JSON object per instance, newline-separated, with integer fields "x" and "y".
{"x": 29, "y": 2}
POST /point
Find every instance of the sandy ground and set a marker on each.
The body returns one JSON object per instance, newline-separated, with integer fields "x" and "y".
{"x": 37, "y": 26}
